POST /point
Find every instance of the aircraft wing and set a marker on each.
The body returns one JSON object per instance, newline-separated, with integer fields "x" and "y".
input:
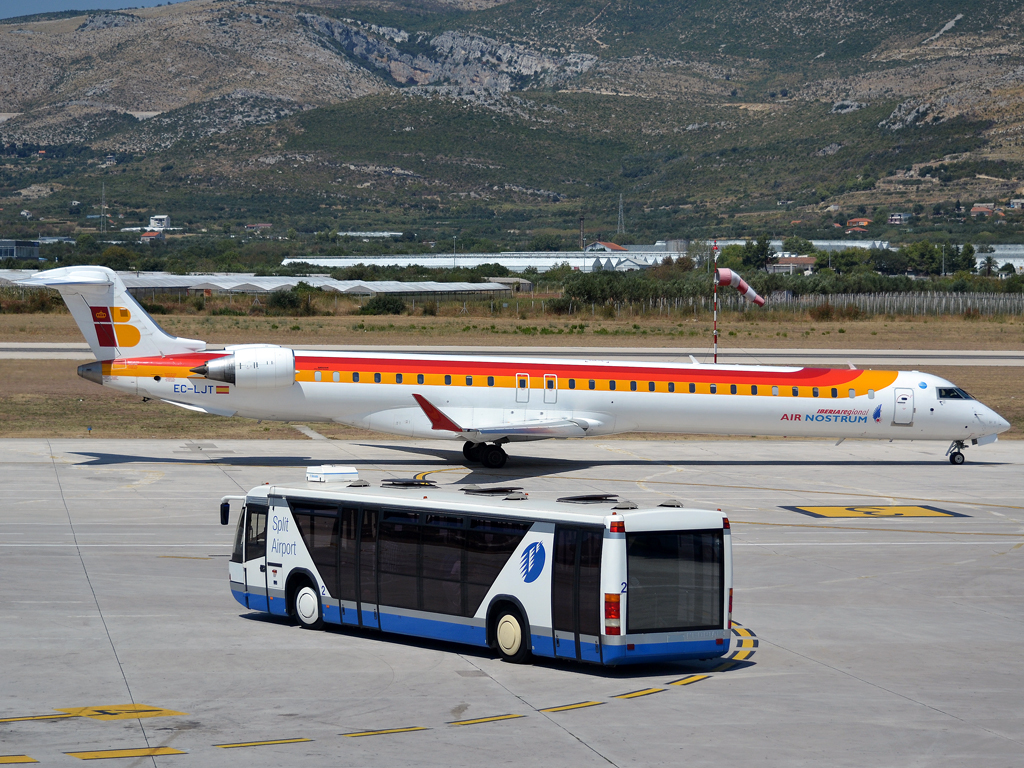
{"x": 535, "y": 429}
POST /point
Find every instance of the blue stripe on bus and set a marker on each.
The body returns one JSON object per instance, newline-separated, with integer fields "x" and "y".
{"x": 332, "y": 614}
{"x": 646, "y": 652}
{"x": 257, "y": 602}
{"x": 437, "y": 630}
{"x": 278, "y": 606}
{"x": 239, "y": 596}
{"x": 543, "y": 645}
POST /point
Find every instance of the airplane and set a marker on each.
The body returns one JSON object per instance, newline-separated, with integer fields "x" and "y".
{"x": 488, "y": 402}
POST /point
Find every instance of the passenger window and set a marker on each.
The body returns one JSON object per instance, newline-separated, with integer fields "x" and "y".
{"x": 490, "y": 381}
{"x": 775, "y": 391}
{"x": 611, "y": 385}
{"x": 336, "y": 377}
{"x": 693, "y": 387}
{"x": 376, "y": 378}
{"x": 317, "y": 376}
{"x": 650, "y": 386}
{"x": 522, "y": 383}
{"x": 814, "y": 392}
{"x": 671, "y": 386}
{"x": 572, "y": 383}
{"x": 592, "y": 384}
{"x": 256, "y": 532}
{"x": 632, "y": 386}
{"x": 853, "y": 393}
{"x": 551, "y": 383}
{"x": 355, "y": 377}
{"x": 419, "y": 378}
{"x": 732, "y": 389}
{"x": 871, "y": 394}
{"x": 753, "y": 389}
{"x": 835, "y": 392}
{"x": 447, "y": 378}
{"x": 714, "y": 389}
{"x": 398, "y": 378}
{"x": 796, "y": 391}
{"x": 469, "y": 381}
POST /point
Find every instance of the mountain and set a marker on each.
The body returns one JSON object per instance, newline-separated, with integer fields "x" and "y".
{"x": 349, "y": 112}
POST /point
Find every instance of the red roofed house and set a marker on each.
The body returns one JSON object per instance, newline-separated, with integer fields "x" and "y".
{"x": 152, "y": 237}
{"x": 606, "y": 247}
{"x": 858, "y": 223}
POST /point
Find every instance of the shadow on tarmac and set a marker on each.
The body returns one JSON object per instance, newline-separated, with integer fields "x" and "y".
{"x": 624, "y": 672}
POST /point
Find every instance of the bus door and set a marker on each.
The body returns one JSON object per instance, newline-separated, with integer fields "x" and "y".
{"x": 369, "y": 614}
{"x": 254, "y": 562}
{"x": 576, "y": 592}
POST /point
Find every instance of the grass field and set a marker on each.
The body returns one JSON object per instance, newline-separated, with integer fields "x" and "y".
{"x": 738, "y": 330}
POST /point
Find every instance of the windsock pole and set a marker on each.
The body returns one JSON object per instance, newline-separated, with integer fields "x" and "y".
{"x": 715, "y": 304}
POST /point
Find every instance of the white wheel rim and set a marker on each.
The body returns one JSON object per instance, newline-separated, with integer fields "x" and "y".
{"x": 510, "y": 635}
{"x": 306, "y": 605}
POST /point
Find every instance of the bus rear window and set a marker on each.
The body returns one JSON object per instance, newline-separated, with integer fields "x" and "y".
{"x": 675, "y": 581}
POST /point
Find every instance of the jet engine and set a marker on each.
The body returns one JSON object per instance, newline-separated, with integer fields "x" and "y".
{"x": 258, "y": 367}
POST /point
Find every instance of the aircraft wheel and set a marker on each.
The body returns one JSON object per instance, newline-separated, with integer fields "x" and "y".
{"x": 474, "y": 452}
{"x": 494, "y": 457}
{"x": 956, "y": 458}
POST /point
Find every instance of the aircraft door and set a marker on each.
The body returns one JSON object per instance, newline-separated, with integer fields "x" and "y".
{"x": 254, "y": 563}
{"x": 904, "y": 412}
{"x": 522, "y": 387}
{"x": 550, "y": 388}
{"x": 576, "y": 593}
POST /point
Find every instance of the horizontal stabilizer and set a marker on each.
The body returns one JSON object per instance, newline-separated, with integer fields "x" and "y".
{"x": 535, "y": 429}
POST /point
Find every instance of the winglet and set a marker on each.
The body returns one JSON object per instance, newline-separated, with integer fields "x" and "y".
{"x": 437, "y": 419}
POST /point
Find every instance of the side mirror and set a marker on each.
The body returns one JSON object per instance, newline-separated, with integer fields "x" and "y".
{"x": 225, "y": 510}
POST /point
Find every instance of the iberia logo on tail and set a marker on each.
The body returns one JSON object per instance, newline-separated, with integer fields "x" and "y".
{"x": 112, "y": 329}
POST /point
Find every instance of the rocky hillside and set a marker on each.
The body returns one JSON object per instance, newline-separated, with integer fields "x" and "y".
{"x": 680, "y": 103}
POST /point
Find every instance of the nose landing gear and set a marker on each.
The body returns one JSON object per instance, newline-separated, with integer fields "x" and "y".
{"x": 955, "y": 452}
{"x": 492, "y": 455}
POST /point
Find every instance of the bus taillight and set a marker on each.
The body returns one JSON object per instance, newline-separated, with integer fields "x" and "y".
{"x": 617, "y": 526}
{"x": 612, "y": 614}
{"x": 725, "y": 523}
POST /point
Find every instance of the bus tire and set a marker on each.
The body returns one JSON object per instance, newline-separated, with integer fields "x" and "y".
{"x": 511, "y": 635}
{"x": 306, "y": 607}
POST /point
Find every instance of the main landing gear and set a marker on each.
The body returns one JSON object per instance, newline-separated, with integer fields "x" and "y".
{"x": 491, "y": 455}
{"x": 955, "y": 452}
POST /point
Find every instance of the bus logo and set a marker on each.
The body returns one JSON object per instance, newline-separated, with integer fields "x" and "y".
{"x": 532, "y": 562}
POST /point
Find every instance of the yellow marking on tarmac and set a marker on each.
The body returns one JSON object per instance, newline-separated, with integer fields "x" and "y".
{"x": 638, "y": 694}
{"x": 486, "y": 720}
{"x": 747, "y": 643}
{"x": 35, "y": 717}
{"x": 567, "y": 707}
{"x": 16, "y": 759}
{"x": 423, "y": 475}
{"x": 690, "y": 680}
{"x": 742, "y": 632}
{"x": 104, "y": 754}
{"x": 120, "y": 712}
{"x": 780, "y": 490}
{"x": 259, "y": 743}
{"x": 387, "y": 731}
{"x": 875, "y": 530}
{"x": 881, "y": 510}
{"x": 724, "y": 667}
{"x": 741, "y": 655}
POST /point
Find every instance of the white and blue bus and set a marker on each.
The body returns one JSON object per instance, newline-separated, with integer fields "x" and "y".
{"x": 588, "y": 578}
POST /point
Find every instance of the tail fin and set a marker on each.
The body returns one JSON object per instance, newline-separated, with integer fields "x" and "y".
{"x": 110, "y": 319}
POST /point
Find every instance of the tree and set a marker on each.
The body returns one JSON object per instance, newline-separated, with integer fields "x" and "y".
{"x": 1008, "y": 268}
{"x": 758, "y": 254}
{"x": 546, "y": 242}
{"x": 965, "y": 260}
{"x": 798, "y": 245}
{"x": 989, "y": 265}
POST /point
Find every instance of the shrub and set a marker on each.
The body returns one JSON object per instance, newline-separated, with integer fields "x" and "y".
{"x": 559, "y": 306}
{"x": 230, "y": 311}
{"x": 284, "y": 301}
{"x": 382, "y": 304}
{"x": 822, "y": 312}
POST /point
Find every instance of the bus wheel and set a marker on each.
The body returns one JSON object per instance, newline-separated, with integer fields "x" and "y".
{"x": 306, "y": 607}
{"x": 494, "y": 457}
{"x": 474, "y": 452}
{"x": 510, "y": 636}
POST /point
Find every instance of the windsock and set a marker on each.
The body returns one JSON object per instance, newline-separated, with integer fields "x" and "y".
{"x": 728, "y": 277}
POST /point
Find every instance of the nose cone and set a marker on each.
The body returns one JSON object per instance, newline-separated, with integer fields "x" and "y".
{"x": 92, "y": 371}
{"x": 1001, "y": 424}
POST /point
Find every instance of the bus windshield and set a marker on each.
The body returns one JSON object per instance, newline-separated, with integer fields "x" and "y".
{"x": 675, "y": 581}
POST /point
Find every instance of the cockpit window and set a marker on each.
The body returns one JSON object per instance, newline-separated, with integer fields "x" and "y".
{"x": 953, "y": 393}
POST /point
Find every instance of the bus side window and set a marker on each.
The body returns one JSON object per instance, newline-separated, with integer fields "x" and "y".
{"x": 489, "y": 545}
{"x": 256, "y": 532}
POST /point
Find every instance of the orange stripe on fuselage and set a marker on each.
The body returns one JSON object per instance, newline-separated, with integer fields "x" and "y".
{"x": 504, "y": 373}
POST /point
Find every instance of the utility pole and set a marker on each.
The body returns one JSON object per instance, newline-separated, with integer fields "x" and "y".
{"x": 582, "y": 241}
{"x": 454, "y": 263}
{"x": 621, "y": 228}
{"x": 103, "y": 208}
